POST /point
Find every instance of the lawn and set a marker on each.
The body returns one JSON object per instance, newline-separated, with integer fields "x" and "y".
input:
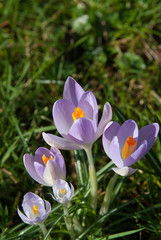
{"x": 111, "y": 48}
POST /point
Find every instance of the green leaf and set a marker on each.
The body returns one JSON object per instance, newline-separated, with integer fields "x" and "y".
{"x": 154, "y": 161}
{"x": 121, "y": 116}
{"x": 122, "y": 234}
{"x": 81, "y": 168}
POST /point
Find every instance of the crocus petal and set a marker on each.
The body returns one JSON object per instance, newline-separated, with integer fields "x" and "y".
{"x": 59, "y": 168}
{"x": 29, "y": 195}
{"x": 39, "y": 154}
{"x": 59, "y": 161}
{"x": 40, "y": 219}
{"x": 128, "y": 128}
{"x": 50, "y": 173}
{"x": 58, "y": 142}
{"x": 72, "y": 190}
{"x": 24, "y": 218}
{"x": 149, "y": 133}
{"x": 72, "y": 91}
{"x": 108, "y": 135}
{"x": 62, "y": 115}
{"x": 29, "y": 165}
{"x": 115, "y": 152}
{"x": 28, "y": 201}
{"x": 124, "y": 171}
{"x": 106, "y": 117}
{"x": 55, "y": 151}
{"x": 82, "y": 132}
{"x": 47, "y": 207}
{"x": 88, "y": 104}
{"x": 39, "y": 168}
{"x": 43, "y": 217}
{"x": 136, "y": 155}
{"x": 68, "y": 190}
{"x": 37, "y": 220}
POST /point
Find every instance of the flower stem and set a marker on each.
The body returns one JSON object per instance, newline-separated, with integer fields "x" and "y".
{"x": 107, "y": 198}
{"x": 76, "y": 224}
{"x": 93, "y": 178}
{"x": 78, "y": 228}
{"x": 43, "y": 229}
{"x": 68, "y": 222}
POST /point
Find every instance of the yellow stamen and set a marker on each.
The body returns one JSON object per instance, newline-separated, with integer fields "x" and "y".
{"x": 35, "y": 209}
{"x": 62, "y": 191}
{"x": 78, "y": 113}
{"x": 45, "y": 159}
{"x": 128, "y": 148}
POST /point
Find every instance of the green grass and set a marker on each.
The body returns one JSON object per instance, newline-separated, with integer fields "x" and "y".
{"x": 111, "y": 48}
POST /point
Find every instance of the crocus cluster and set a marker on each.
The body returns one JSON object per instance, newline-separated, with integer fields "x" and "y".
{"x": 47, "y": 167}
{"x": 76, "y": 119}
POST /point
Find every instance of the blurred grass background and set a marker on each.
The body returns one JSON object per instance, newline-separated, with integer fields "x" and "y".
{"x": 112, "y": 48}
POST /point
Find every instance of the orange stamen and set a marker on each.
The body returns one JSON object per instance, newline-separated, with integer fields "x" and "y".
{"x": 62, "y": 191}
{"x": 45, "y": 159}
{"x": 35, "y": 209}
{"x": 78, "y": 113}
{"x": 129, "y": 147}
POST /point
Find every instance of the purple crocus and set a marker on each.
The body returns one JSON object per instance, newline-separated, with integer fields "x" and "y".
{"x": 126, "y": 144}
{"x": 46, "y": 166}
{"x": 63, "y": 193}
{"x": 36, "y": 212}
{"x": 76, "y": 118}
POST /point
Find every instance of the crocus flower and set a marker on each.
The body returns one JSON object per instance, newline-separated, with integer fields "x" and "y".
{"x": 46, "y": 166}
{"x": 126, "y": 144}
{"x": 36, "y": 212}
{"x": 76, "y": 118}
{"x": 63, "y": 193}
